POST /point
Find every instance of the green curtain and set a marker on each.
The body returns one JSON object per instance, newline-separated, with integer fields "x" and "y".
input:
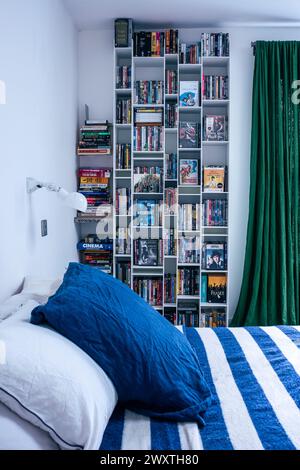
{"x": 270, "y": 286}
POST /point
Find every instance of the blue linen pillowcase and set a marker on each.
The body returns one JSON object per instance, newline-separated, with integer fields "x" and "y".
{"x": 154, "y": 368}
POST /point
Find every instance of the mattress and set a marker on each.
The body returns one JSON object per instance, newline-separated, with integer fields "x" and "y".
{"x": 17, "y": 434}
{"x": 254, "y": 376}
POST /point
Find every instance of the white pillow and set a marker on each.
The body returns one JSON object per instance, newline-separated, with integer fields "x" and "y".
{"x": 50, "y": 382}
{"x": 33, "y": 289}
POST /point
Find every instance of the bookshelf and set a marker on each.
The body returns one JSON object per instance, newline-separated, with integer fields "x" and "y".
{"x": 176, "y": 303}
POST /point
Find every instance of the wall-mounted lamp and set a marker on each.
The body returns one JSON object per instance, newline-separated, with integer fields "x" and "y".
{"x": 75, "y": 200}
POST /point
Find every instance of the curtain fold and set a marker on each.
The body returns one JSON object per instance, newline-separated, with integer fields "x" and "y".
{"x": 270, "y": 287}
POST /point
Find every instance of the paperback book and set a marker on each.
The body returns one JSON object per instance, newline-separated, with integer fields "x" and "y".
{"x": 215, "y": 128}
{"x": 189, "y": 172}
{"x": 189, "y": 94}
{"x": 216, "y": 289}
{"x": 189, "y": 135}
{"x": 214, "y": 179}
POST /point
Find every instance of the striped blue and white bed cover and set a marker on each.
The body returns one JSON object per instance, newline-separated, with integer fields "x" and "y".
{"x": 254, "y": 376}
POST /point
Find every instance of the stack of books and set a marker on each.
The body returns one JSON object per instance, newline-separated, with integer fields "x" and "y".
{"x": 94, "y": 184}
{"x": 148, "y": 44}
{"x": 214, "y": 213}
{"x": 123, "y": 77}
{"x": 148, "y": 179}
{"x": 190, "y": 53}
{"x": 123, "y": 272}
{"x": 214, "y": 288}
{"x": 171, "y": 82}
{"x": 171, "y": 36}
{"x": 97, "y": 253}
{"x": 215, "y": 87}
{"x": 149, "y": 91}
{"x": 188, "y": 281}
{"x": 189, "y": 250}
{"x": 151, "y": 290}
{"x": 123, "y": 156}
{"x": 170, "y": 289}
{"x": 95, "y": 139}
{"x": 215, "y": 44}
{"x": 148, "y": 252}
{"x": 148, "y": 130}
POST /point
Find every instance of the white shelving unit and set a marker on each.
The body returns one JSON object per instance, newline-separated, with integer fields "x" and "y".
{"x": 209, "y": 153}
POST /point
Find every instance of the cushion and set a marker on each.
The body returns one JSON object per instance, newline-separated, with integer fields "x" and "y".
{"x": 51, "y": 383}
{"x": 152, "y": 365}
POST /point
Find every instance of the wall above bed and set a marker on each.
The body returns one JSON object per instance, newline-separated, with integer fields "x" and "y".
{"x": 38, "y": 63}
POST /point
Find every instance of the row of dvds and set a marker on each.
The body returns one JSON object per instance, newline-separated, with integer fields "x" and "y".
{"x": 147, "y": 213}
{"x": 148, "y": 179}
{"x": 148, "y": 44}
{"x": 214, "y": 213}
{"x": 189, "y": 250}
{"x": 215, "y": 44}
{"x": 190, "y": 53}
{"x": 123, "y": 196}
{"x": 215, "y": 87}
{"x": 123, "y": 156}
{"x": 171, "y": 39}
{"x": 171, "y": 166}
{"x": 170, "y": 289}
{"x": 189, "y": 217}
{"x": 171, "y": 199}
{"x": 123, "y": 272}
{"x": 149, "y": 91}
{"x": 149, "y": 116}
{"x": 148, "y": 139}
{"x": 190, "y": 320}
{"x": 213, "y": 319}
{"x": 123, "y": 78}
{"x": 123, "y": 111}
{"x": 170, "y": 245}
{"x": 123, "y": 243}
{"x": 148, "y": 252}
{"x": 188, "y": 281}
{"x": 151, "y": 290}
{"x": 171, "y": 82}
{"x": 171, "y": 115}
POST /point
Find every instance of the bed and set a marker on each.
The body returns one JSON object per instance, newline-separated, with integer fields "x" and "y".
{"x": 254, "y": 376}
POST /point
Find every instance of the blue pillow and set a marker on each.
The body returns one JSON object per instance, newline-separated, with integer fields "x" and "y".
{"x": 154, "y": 368}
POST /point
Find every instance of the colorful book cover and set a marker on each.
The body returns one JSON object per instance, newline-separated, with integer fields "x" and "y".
{"x": 215, "y": 256}
{"x": 216, "y": 289}
{"x": 188, "y": 135}
{"x": 147, "y": 253}
{"x": 204, "y": 288}
{"x": 215, "y": 128}
{"x": 147, "y": 183}
{"x": 189, "y": 94}
{"x": 214, "y": 179}
{"x": 189, "y": 172}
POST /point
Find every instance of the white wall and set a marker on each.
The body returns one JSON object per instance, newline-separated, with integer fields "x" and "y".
{"x": 38, "y": 125}
{"x": 95, "y": 85}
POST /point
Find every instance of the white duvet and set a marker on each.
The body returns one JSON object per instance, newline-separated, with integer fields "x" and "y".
{"x": 51, "y": 383}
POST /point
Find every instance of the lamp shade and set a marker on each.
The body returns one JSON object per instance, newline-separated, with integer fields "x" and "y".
{"x": 74, "y": 200}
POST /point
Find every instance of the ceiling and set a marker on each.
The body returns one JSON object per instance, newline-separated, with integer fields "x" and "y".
{"x": 91, "y": 14}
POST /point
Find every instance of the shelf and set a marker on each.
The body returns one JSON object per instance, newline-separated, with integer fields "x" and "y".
{"x": 222, "y": 227}
{"x": 136, "y": 105}
{"x": 148, "y": 194}
{"x": 171, "y": 96}
{"x": 123, "y": 126}
{"x": 188, "y": 297}
{"x": 148, "y": 152}
{"x": 171, "y": 130}
{"x": 188, "y": 149}
{"x": 189, "y": 265}
{"x": 190, "y": 67}
{"x": 148, "y": 61}
{"x": 148, "y": 227}
{"x": 123, "y": 91}
{"x": 170, "y": 257}
{"x": 214, "y": 193}
{"x": 88, "y": 220}
{"x": 122, "y": 256}
{"x": 215, "y": 103}
{"x": 186, "y": 109}
{"x": 219, "y": 271}
{"x": 169, "y": 305}
{"x": 94, "y": 155}
{"x": 214, "y": 142}
{"x": 123, "y": 177}
{"x": 207, "y": 304}
{"x": 159, "y": 268}
{"x": 215, "y": 61}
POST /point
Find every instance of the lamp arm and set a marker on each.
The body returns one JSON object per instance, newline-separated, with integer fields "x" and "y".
{"x": 33, "y": 185}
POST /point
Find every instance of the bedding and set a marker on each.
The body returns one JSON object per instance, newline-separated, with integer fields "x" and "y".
{"x": 152, "y": 365}
{"x": 49, "y": 382}
{"x": 254, "y": 376}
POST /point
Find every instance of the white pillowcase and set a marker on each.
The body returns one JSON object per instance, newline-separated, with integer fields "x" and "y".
{"x": 33, "y": 289}
{"x": 50, "y": 382}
